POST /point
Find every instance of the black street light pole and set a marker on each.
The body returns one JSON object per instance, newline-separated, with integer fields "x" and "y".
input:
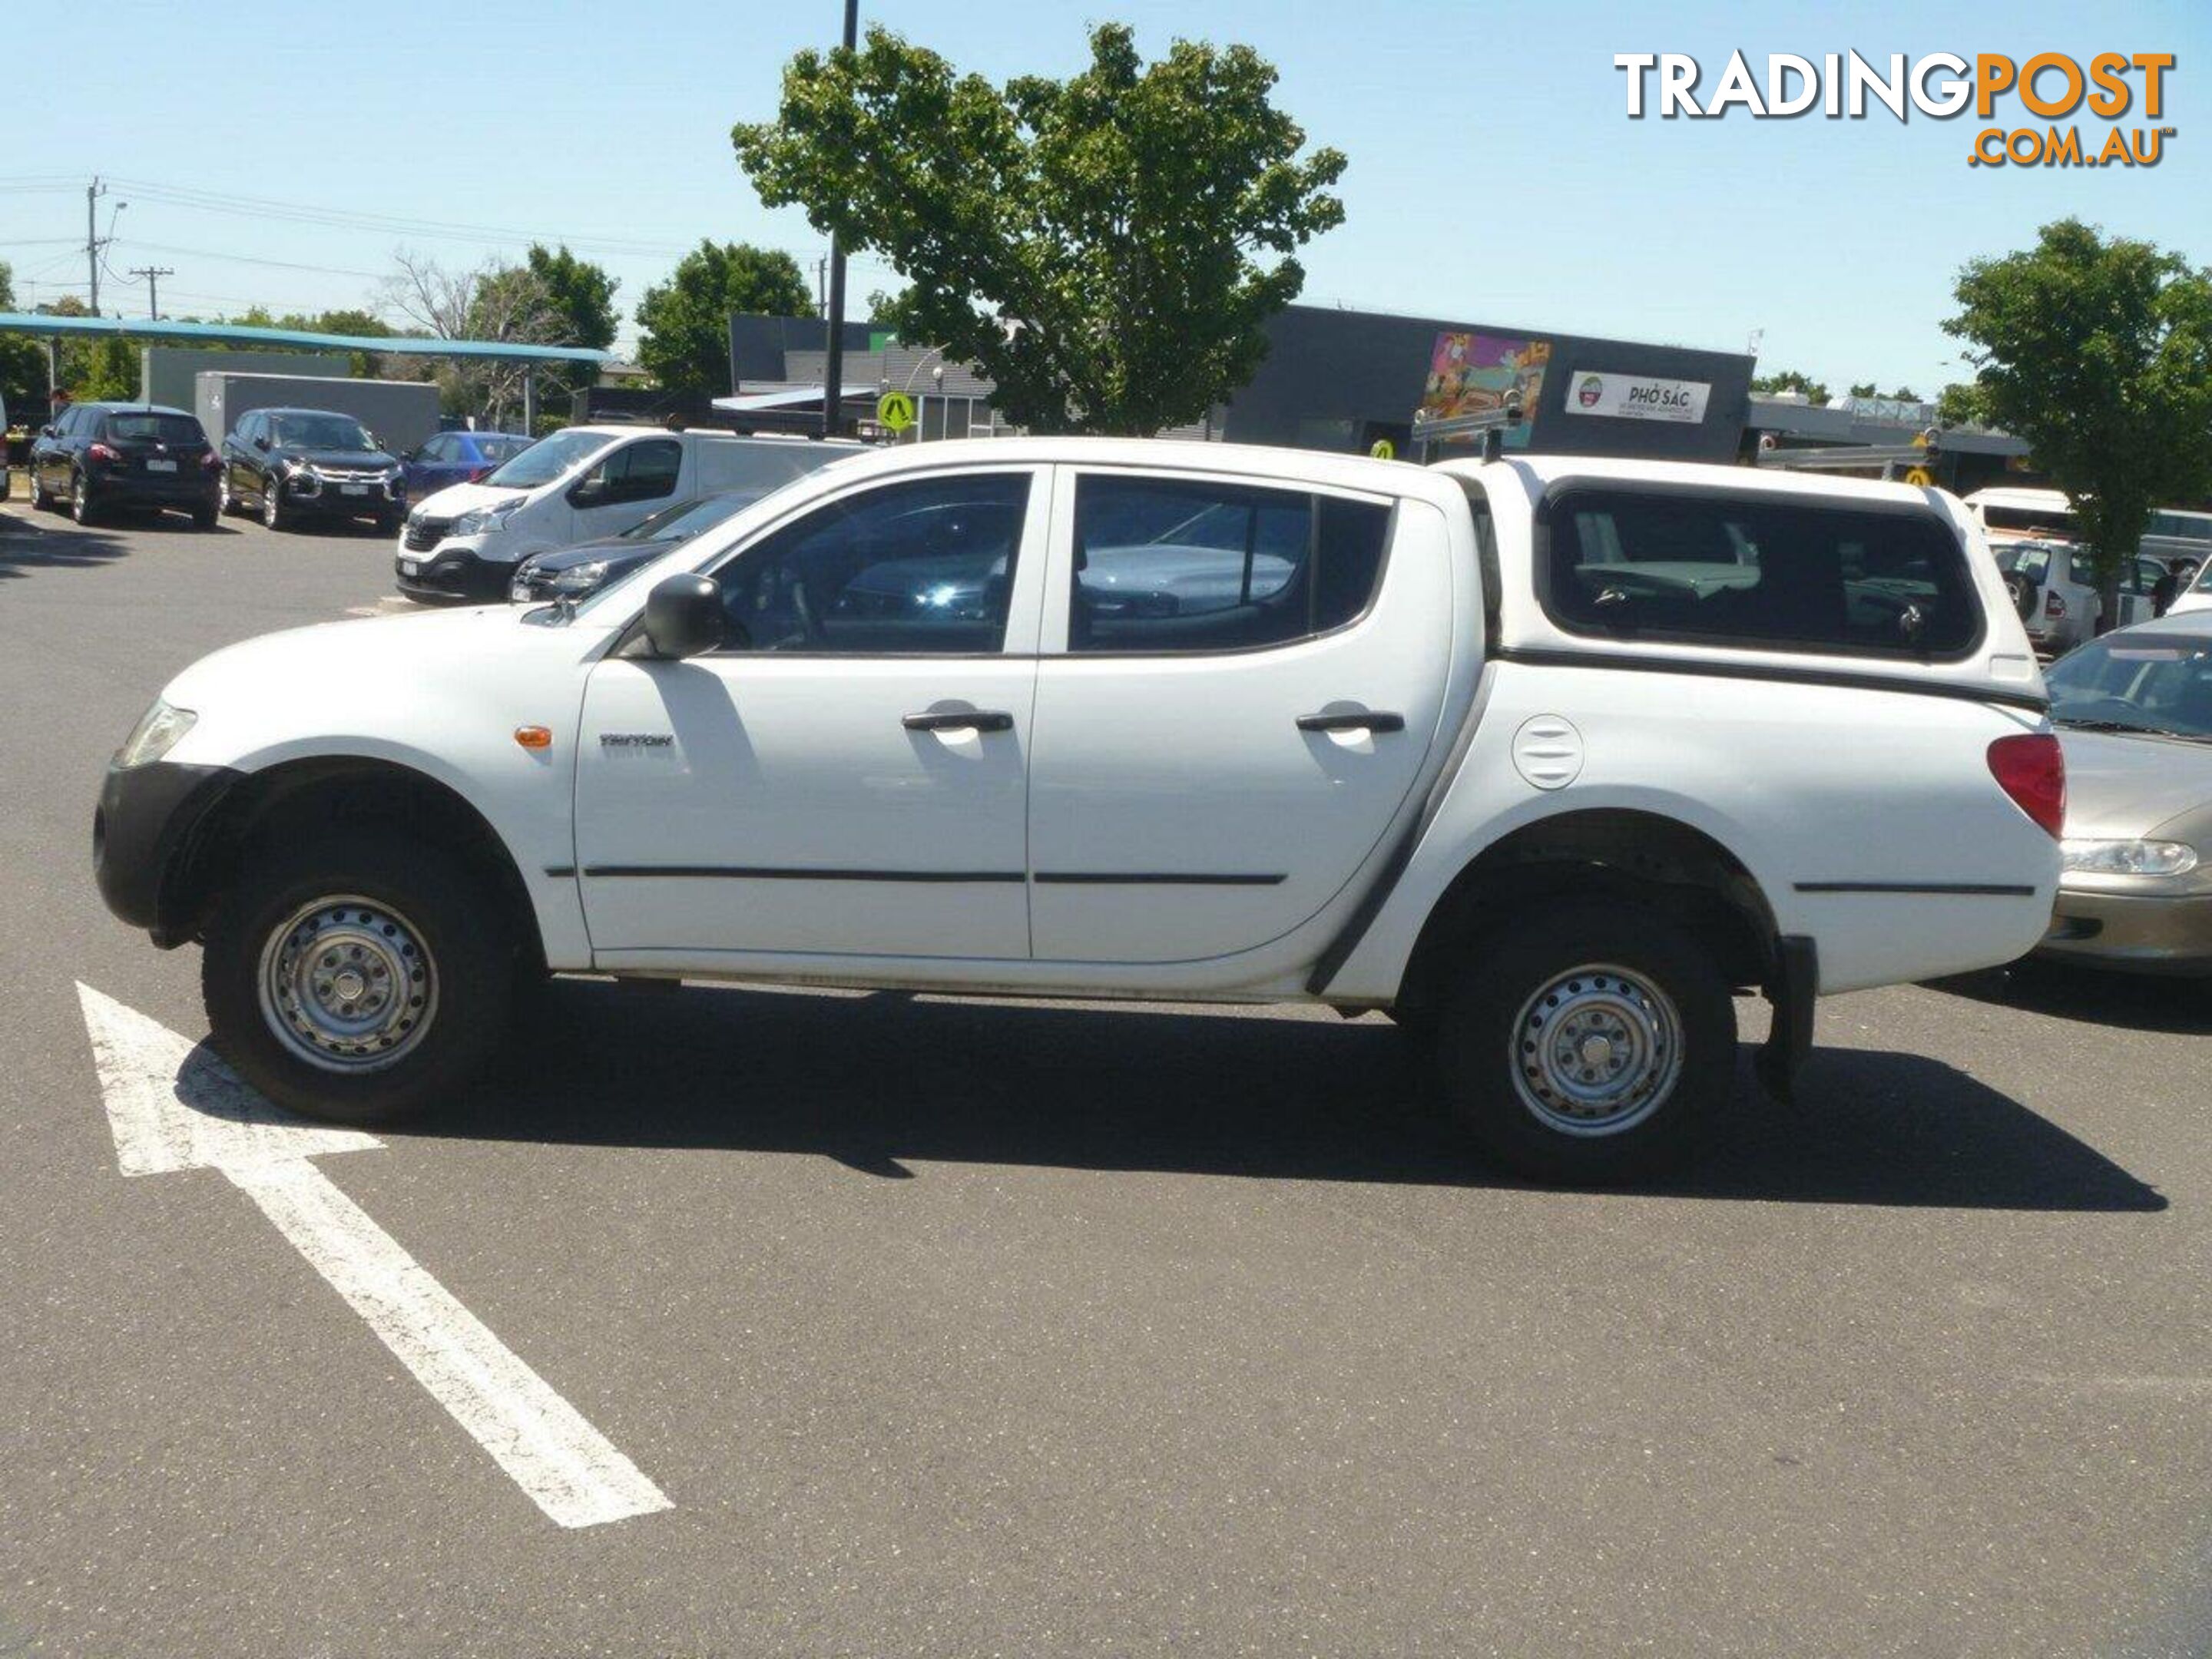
{"x": 833, "y": 365}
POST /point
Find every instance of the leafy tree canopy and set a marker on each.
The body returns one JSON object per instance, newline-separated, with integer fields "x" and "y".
{"x": 1107, "y": 248}
{"x": 1790, "y": 380}
{"x": 2099, "y": 353}
{"x": 685, "y": 321}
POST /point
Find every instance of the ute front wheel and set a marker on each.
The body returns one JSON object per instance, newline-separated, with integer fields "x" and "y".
{"x": 355, "y": 979}
{"x": 1583, "y": 1044}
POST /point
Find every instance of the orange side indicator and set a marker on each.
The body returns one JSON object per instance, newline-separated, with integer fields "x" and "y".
{"x": 533, "y": 737}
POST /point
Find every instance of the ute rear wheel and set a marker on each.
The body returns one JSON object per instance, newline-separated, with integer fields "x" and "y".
{"x": 1583, "y": 1044}
{"x": 354, "y": 977}
{"x": 84, "y": 506}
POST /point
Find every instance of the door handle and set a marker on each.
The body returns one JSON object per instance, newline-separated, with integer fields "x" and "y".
{"x": 960, "y": 720}
{"x": 1357, "y": 720}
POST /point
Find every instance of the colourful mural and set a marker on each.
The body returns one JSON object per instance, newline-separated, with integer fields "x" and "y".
{"x": 1471, "y": 373}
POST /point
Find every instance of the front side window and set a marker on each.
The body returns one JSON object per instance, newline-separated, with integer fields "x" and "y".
{"x": 1175, "y": 565}
{"x": 639, "y": 472}
{"x": 925, "y": 566}
{"x": 1759, "y": 572}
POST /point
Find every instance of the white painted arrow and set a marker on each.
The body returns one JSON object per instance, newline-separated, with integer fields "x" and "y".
{"x": 174, "y": 1106}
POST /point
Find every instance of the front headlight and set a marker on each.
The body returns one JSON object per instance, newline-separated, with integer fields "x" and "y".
{"x": 483, "y": 518}
{"x": 580, "y": 578}
{"x": 160, "y": 729}
{"x": 2127, "y": 858}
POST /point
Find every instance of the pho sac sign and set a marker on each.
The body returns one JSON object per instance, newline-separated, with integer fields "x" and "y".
{"x": 2049, "y": 87}
{"x": 1636, "y": 397}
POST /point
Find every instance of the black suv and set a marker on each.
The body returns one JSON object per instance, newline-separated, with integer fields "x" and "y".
{"x": 297, "y": 463}
{"x": 94, "y": 458}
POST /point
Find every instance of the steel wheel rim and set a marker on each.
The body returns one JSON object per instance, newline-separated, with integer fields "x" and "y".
{"x": 270, "y": 505}
{"x": 222, "y": 494}
{"x": 347, "y": 985}
{"x": 1597, "y": 1050}
{"x": 79, "y": 498}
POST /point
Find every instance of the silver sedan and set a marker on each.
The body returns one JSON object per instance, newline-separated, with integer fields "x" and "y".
{"x": 2134, "y": 712}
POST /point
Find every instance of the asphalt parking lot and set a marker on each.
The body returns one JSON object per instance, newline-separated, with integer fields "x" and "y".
{"x": 970, "y": 1328}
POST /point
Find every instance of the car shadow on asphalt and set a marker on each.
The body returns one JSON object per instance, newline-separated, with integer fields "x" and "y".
{"x": 2135, "y": 1002}
{"x": 881, "y": 1082}
{"x": 27, "y": 547}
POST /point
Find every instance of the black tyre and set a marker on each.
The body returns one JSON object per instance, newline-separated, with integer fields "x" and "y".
{"x": 84, "y": 505}
{"x": 272, "y": 504}
{"x": 40, "y": 501}
{"x": 357, "y": 978}
{"x": 388, "y": 524}
{"x": 204, "y": 518}
{"x": 1582, "y": 1043}
{"x": 225, "y": 502}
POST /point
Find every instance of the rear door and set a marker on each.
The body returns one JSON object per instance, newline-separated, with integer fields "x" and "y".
{"x": 1240, "y": 682}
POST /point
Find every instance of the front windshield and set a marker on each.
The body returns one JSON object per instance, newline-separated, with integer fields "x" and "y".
{"x": 548, "y": 459}
{"x": 2157, "y": 682}
{"x": 318, "y": 432}
{"x": 674, "y": 524}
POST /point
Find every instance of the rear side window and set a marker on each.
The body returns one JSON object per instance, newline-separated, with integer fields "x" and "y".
{"x": 179, "y": 431}
{"x": 1759, "y": 572}
{"x": 1171, "y": 565}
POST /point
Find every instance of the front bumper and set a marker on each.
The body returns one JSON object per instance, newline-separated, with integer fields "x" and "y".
{"x": 2138, "y": 933}
{"x": 309, "y": 493}
{"x": 146, "y": 818}
{"x": 454, "y": 569}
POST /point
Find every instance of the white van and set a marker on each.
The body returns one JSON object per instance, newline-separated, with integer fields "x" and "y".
{"x": 578, "y": 485}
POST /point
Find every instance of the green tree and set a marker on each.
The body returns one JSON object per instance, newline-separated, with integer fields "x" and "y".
{"x": 1863, "y": 389}
{"x": 1107, "y": 248}
{"x": 1961, "y": 403}
{"x": 22, "y": 359}
{"x": 1790, "y": 380}
{"x": 2099, "y": 353}
{"x": 684, "y": 342}
{"x": 582, "y": 296}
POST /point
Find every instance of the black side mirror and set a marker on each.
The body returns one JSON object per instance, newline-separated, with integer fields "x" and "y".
{"x": 587, "y": 492}
{"x": 45, "y": 432}
{"x": 684, "y": 616}
{"x": 261, "y": 443}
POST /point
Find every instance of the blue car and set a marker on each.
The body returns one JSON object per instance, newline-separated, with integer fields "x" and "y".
{"x": 453, "y": 457}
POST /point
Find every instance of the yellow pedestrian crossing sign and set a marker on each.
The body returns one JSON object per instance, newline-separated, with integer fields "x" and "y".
{"x": 1383, "y": 450}
{"x": 1920, "y": 477}
{"x": 895, "y": 411}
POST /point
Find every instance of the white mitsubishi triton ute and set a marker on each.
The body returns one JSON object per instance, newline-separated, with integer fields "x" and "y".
{"x": 1545, "y": 757}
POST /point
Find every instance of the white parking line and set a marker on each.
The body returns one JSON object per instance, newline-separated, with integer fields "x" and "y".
{"x": 172, "y": 1106}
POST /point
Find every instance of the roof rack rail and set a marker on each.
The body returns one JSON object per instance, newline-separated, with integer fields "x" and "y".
{"x": 1897, "y": 461}
{"x": 1489, "y": 428}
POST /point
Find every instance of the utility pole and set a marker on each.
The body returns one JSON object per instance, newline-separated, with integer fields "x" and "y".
{"x": 153, "y": 274}
{"x": 833, "y": 366}
{"x": 93, "y": 192}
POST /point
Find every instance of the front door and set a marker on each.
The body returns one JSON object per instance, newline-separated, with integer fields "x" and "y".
{"x": 1245, "y": 694}
{"x": 627, "y": 484}
{"x": 848, "y": 776}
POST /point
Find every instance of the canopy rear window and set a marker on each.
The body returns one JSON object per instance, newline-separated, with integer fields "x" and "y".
{"x": 1756, "y": 571}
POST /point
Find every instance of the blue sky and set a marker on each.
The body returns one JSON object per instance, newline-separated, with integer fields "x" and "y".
{"x": 1495, "y": 176}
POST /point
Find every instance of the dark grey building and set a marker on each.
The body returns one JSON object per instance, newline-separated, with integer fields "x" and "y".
{"x": 1344, "y": 379}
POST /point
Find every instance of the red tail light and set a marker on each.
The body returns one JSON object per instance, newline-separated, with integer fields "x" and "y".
{"x": 102, "y": 453}
{"x": 211, "y": 461}
{"x": 2032, "y": 770}
{"x": 2052, "y": 605}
